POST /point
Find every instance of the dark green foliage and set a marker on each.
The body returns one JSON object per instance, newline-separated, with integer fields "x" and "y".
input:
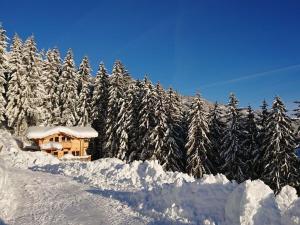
{"x": 280, "y": 162}
{"x": 231, "y": 149}
{"x": 99, "y": 104}
{"x": 198, "y": 145}
{"x": 216, "y": 133}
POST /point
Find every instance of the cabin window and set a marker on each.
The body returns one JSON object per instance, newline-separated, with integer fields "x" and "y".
{"x": 65, "y": 152}
{"x": 55, "y": 153}
{"x": 68, "y": 139}
{"x": 63, "y": 139}
{"x": 86, "y": 140}
{"x": 56, "y": 139}
{"x": 73, "y": 153}
{"x": 51, "y": 139}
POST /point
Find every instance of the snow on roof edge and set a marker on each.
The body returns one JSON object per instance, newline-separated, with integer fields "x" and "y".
{"x": 79, "y": 132}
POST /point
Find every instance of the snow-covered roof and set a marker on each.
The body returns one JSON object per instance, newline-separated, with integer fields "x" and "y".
{"x": 79, "y": 132}
{"x": 51, "y": 145}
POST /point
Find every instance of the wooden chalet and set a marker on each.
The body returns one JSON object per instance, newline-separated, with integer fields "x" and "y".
{"x": 63, "y": 142}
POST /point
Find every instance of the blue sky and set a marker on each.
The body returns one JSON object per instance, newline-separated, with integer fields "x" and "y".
{"x": 251, "y": 48}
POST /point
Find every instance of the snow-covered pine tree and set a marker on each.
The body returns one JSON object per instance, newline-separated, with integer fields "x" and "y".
{"x": 281, "y": 163}
{"x": 14, "y": 107}
{"x": 262, "y": 127}
{"x": 134, "y": 135}
{"x": 147, "y": 120}
{"x": 33, "y": 92}
{"x": 132, "y": 106}
{"x": 57, "y": 107}
{"x": 184, "y": 125}
{"x": 174, "y": 137}
{"x": 250, "y": 144}
{"x": 231, "y": 150}
{"x": 158, "y": 134}
{"x": 3, "y": 73}
{"x": 44, "y": 113}
{"x": 51, "y": 74}
{"x": 117, "y": 89}
{"x": 99, "y": 104}
{"x": 198, "y": 145}
{"x": 68, "y": 91}
{"x": 126, "y": 123}
{"x": 84, "y": 87}
{"x": 216, "y": 133}
{"x": 120, "y": 70}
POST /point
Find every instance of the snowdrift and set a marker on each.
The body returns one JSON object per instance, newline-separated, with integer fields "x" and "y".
{"x": 12, "y": 154}
{"x": 151, "y": 191}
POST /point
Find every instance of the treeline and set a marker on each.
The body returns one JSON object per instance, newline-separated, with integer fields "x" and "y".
{"x": 137, "y": 120}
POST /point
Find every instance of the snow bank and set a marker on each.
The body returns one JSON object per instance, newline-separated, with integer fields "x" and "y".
{"x": 146, "y": 187}
{"x": 292, "y": 214}
{"x": 111, "y": 173}
{"x": 79, "y": 132}
{"x": 252, "y": 202}
{"x": 289, "y": 205}
{"x": 12, "y": 154}
{"x": 286, "y": 198}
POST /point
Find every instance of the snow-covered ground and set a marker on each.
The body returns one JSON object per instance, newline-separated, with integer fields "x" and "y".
{"x": 37, "y": 198}
{"x": 109, "y": 191}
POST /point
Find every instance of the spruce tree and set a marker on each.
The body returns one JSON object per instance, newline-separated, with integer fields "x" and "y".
{"x": 57, "y": 107}
{"x": 262, "y": 127}
{"x": 129, "y": 126}
{"x": 147, "y": 120}
{"x": 84, "y": 94}
{"x": 250, "y": 145}
{"x": 33, "y": 94}
{"x": 216, "y": 133}
{"x": 174, "y": 137}
{"x": 231, "y": 150}
{"x": 134, "y": 135}
{"x": 116, "y": 97}
{"x": 51, "y": 72}
{"x": 99, "y": 106}
{"x": 159, "y": 131}
{"x": 68, "y": 91}
{"x": 184, "y": 125}
{"x": 198, "y": 145}
{"x": 3, "y": 72}
{"x": 14, "y": 107}
{"x": 281, "y": 163}
{"x": 126, "y": 120}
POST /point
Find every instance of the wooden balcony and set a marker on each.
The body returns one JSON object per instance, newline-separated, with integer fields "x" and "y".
{"x": 66, "y": 145}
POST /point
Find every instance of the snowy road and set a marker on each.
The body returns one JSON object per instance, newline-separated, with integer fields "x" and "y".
{"x": 41, "y": 198}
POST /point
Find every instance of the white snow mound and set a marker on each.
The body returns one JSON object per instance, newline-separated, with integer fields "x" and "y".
{"x": 292, "y": 214}
{"x": 252, "y": 202}
{"x": 12, "y": 154}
